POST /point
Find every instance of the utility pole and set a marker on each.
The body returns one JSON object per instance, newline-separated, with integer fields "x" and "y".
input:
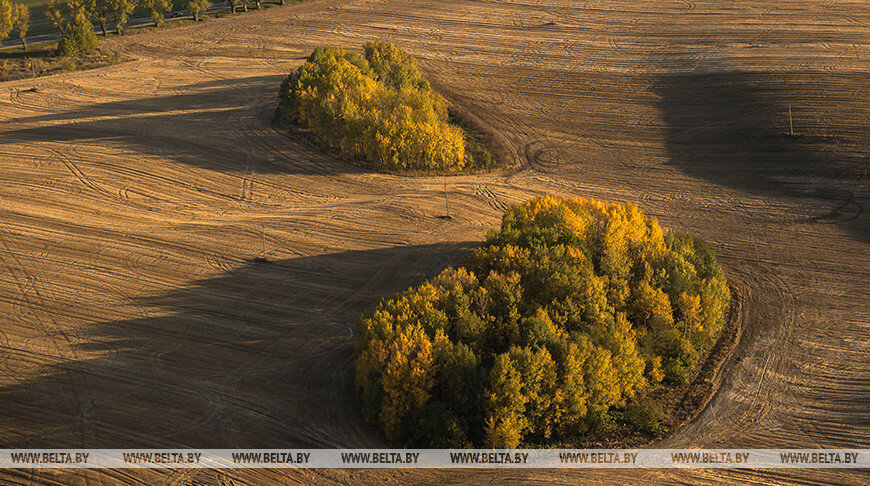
{"x": 790, "y": 124}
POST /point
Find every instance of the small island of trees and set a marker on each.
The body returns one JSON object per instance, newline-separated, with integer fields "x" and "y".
{"x": 378, "y": 108}
{"x": 574, "y": 310}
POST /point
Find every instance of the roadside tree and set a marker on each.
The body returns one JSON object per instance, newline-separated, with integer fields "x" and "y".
{"x": 21, "y": 22}
{"x": 196, "y": 7}
{"x": 119, "y": 12}
{"x": 157, "y": 9}
{"x": 6, "y": 25}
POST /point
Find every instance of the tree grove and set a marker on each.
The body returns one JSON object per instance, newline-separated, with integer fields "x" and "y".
{"x": 573, "y": 308}
{"x": 376, "y": 107}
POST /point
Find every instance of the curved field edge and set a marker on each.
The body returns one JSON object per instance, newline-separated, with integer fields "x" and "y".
{"x": 709, "y": 375}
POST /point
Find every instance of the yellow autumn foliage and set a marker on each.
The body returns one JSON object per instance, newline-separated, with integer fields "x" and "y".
{"x": 375, "y": 107}
{"x": 572, "y": 308}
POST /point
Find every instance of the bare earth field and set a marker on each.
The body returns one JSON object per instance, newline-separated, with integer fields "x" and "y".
{"x": 133, "y": 199}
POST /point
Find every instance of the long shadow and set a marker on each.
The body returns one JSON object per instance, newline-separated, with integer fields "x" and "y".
{"x": 733, "y": 129}
{"x": 31, "y": 54}
{"x": 261, "y": 356}
{"x": 234, "y": 114}
{"x": 214, "y": 94}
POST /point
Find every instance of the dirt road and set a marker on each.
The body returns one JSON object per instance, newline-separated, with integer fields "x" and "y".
{"x": 133, "y": 199}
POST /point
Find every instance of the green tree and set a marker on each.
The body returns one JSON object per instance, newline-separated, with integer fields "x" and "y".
{"x": 102, "y": 13}
{"x": 21, "y": 22}
{"x": 6, "y": 18}
{"x": 157, "y": 9}
{"x": 196, "y": 7}
{"x": 77, "y": 33}
{"x": 119, "y": 12}
{"x": 54, "y": 13}
{"x": 79, "y": 38}
{"x": 78, "y": 8}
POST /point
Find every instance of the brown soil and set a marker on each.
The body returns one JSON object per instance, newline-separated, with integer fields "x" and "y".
{"x": 133, "y": 199}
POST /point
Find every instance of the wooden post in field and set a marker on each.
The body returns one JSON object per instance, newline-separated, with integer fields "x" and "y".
{"x": 790, "y": 124}
{"x": 263, "y": 251}
{"x": 446, "y": 202}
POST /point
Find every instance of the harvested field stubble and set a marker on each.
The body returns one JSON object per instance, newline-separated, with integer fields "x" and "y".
{"x": 133, "y": 197}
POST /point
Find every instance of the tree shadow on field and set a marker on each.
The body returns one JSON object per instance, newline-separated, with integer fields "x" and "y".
{"x": 223, "y": 125}
{"x": 732, "y": 128}
{"x": 259, "y": 357}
